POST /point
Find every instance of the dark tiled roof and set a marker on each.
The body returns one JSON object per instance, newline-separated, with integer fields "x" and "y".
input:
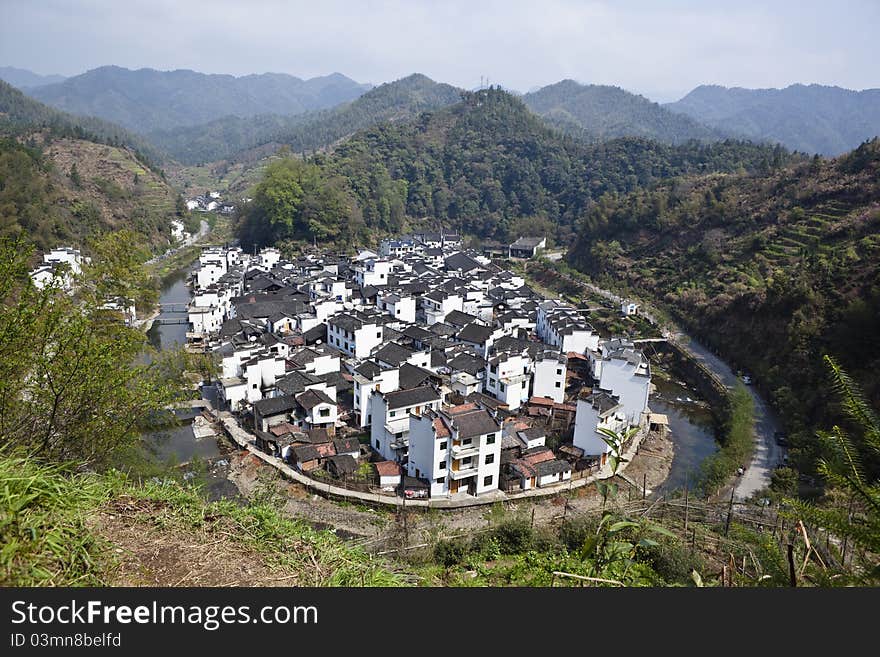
{"x": 475, "y": 333}
{"x": 412, "y": 376}
{"x": 274, "y": 405}
{"x": 311, "y": 398}
{"x": 411, "y": 397}
{"x": 475, "y": 423}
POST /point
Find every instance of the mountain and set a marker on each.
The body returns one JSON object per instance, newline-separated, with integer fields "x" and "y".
{"x": 23, "y": 79}
{"x": 147, "y": 100}
{"x": 807, "y": 118}
{"x": 223, "y": 138}
{"x": 21, "y": 115}
{"x": 771, "y": 270}
{"x": 486, "y": 166}
{"x": 596, "y": 112}
{"x": 64, "y": 178}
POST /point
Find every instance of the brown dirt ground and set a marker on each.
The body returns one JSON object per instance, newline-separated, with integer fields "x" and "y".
{"x": 147, "y": 551}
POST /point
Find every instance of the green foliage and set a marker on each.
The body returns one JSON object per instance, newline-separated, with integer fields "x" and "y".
{"x": 296, "y": 201}
{"x": 598, "y": 112}
{"x": 768, "y": 270}
{"x": 487, "y": 165}
{"x": 227, "y": 137}
{"x": 856, "y": 515}
{"x": 71, "y": 384}
{"x": 43, "y": 533}
{"x": 737, "y": 442}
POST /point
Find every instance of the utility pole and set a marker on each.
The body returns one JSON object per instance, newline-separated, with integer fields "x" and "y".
{"x": 729, "y": 512}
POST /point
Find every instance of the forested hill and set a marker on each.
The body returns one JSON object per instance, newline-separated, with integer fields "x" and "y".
{"x": 597, "y": 112}
{"x": 146, "y": 100}
{"x": 66, "y": 179}
{"x": 21, "y": 115}
{"x": 486, "y": 166}
{"x": 807, "y": 118}
{"x": 223, "y": 138}
{"x": 22, "y": 78}
{"x": 773, "y": 270}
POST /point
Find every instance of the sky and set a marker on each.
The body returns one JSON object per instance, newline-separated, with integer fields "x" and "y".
{"x": 661, "y": 48}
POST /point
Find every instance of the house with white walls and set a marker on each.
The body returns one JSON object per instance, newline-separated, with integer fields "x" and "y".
{"x": 390, "y": 411}
{"x": 456, "y": 450}
{"x": 355, "y": 334}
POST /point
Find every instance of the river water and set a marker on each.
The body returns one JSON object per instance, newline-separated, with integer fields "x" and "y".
{"x": 178, "y": 444}
{"x": 691, "y": 429}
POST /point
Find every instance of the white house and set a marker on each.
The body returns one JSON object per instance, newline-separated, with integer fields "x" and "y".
{"x": 400, "y": 306}
{"x": 369, "y": 377}
{"x": 628, "y": 308}
{"x": 455, "y": 450}
{"x": 508, "y": 377}
{"x": 624, "y": 371}
{"x": 564, "y": 327}
{"x": 548, "y": 378}
{"x": 597, "y": 410}
{"x": 373, "y": 272}
{"x": 355, "y": 335}
{"x": 389, "y": 429}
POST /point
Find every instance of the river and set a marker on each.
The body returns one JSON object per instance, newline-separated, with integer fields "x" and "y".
{"x": 178, "y": 444}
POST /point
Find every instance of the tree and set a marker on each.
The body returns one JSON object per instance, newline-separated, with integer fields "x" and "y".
{"x": 74, "y": 177}
{"x": 856, "y": 515}
{"x": 72, "y": 384}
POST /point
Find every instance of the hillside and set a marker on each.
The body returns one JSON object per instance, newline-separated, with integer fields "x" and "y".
{"x": 66, "y": 190}
{"x": 21, "y": 115}
{"x": 22, "y": 78}
{"x": 147, "y": 100}
{"x": 807, "y": 118}
{"x": 486, "y": 166}
{"x": 773, "y": 271}
{"x": 227, "y": 137}
{"x": 598, "y": 112}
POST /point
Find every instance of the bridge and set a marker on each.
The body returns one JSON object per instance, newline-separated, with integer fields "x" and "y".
{"x": 171, "y": 320}
{"x": 180, "y": 307}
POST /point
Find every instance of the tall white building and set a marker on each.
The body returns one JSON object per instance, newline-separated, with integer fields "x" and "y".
{"x": 457, "y": 450}
{"x": 390, "y": 413}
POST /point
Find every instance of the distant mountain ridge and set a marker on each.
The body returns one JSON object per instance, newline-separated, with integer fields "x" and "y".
{"x": 24, "y": 79}
{"x": 147, "y": 100}
{"x": 809, "y": 118}
{"x": 597, "y": 112}
{"x": 226, "y": 137}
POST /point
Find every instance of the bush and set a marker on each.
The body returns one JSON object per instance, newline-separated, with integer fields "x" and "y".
{"x": 513, "y": 536}
{"x": 450, "y": 553}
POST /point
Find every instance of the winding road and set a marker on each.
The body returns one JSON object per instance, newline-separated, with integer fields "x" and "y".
{"x": 767, "y": 454}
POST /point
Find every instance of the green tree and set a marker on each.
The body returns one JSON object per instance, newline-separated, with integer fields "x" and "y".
{"x": 856, "y": 515}
{"x": 75, "y": 177}
{"x": 72, "y": 384}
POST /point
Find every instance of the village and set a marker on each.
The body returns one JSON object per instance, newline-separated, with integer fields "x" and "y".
{"x": 421, "y": 371}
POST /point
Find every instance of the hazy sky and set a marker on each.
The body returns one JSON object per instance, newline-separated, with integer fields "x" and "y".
{"x": 660, "y": 48}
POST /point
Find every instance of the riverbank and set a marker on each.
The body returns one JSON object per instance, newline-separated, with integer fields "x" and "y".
{"x": 764, "y": 453}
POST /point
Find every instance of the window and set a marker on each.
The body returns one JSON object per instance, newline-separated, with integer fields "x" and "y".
{"x": 377, "y": 443}
{"x": 490, "y": 459}
{"x": 324, "y": 412}
{"x": 558, "y": 384}
{"x": 493, "y": 369}
{"x": 468, "y": 441}
{"x": 440, "y": 480}
{"x": 441, "y": 465}
{"x": 379, "y": 335}
{"x": 392, "y": 414}
{"x": 502, "y": 387}
{"x": 487, "y": 481}
{"x": 399, "y": 434}
{"x": 490, "y": 439}
{"x": 443, "y": 445}
{"x": 559, "y": 371}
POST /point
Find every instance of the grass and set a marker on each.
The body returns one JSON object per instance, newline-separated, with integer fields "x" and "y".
{"x": 49, "y": 536}
{"x": 738, "y": 444}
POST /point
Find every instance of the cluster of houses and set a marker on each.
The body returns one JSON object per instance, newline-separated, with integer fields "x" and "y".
{"x": 430, "y": 246}
{"x": 423, "y": 365}
{"x": 209, "y": 202}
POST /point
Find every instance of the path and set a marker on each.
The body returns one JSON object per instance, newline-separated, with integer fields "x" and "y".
{"x": 767, "y": 454}
{"x": 189, "y": 241}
